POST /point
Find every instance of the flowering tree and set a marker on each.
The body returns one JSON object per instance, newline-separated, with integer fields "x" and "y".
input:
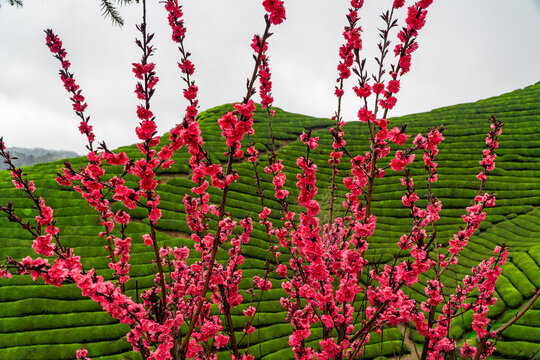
{"x": 322, "y": 280}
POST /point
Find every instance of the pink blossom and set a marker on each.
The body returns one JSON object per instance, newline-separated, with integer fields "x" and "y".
{"x": 276, "y": 10}
{"x": 281, "y": 270}
{"x": 82, "y": 353}
{"x": 401, "y": 161}
{"x": 398, "y": 3}
{"x": 147, "y": 129}
{"x": 191, "y": 92}
{"x": 364, "y": 91}
{"x": 220, "y": 341}
{"x": 143, "y": 113}
{"x": 6, "y": 274}
{"x": 378, "y": 88}
{"x": 147, "y": 240}
{"x": 468, "y": 351}
{"x": 393, "y": 86}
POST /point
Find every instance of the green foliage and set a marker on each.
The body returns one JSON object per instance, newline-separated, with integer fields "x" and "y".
{"x": 534, "y": 252}
{"x": 40, "y": 322}
{"x": 519, "y": 280}
{"x": 516, "y": 349}
{"x": 456, "y": 332}
{"x": 511, "y": 296}
{"x": 64, "y": 352}
{"x": 527, "y": 265}
{"x": 65, "y": 336}
{"x": 520, "y": 332}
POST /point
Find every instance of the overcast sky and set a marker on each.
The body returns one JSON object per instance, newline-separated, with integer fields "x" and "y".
{"x": 469, "y": 50}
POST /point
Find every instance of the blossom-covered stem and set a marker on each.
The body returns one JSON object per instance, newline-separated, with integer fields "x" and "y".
{"x": 482, "y": 273}
{"x": 415, "y": 21}
{"x": 475, "y": 213}
{"x": 231, "y": 154}
{"x": 260, "y": 190}
{"x": 28, "y": 187}
{"x": 383, "y": 47}
{"x": 427, "y": 340}
{"x": 366, "y": 328}
{"x": 347, "y": 52}
{"x": 211, "y": 263}
{"x": 67, "y": 267}
{"x": 333, "y": 186}
{"x": 79, "y": 106}
{"x": 274, "y": 165}
{"x": 160, "y": 267}
{"x": 230, "y": 325}
{"x": 251, "y": 83}
{"x": 498, "y": 331}
{"x": 146, "y": 133}
{"x": 92, "y": 189}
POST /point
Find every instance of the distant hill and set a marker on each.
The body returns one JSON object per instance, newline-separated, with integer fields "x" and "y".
{"x": 27, "y": 156}
{"x": 47, "y": 323}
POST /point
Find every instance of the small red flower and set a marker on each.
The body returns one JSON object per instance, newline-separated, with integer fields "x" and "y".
{"x": 143, "y": 113}
{"x": 276, "y": 10}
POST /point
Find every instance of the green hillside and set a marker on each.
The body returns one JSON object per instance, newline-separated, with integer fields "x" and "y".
{"x": 51, "y": 323}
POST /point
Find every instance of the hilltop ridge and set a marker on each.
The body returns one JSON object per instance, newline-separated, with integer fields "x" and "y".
{"x": 32, "y": 156}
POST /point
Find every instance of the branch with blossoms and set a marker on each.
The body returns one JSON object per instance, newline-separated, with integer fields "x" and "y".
{"x": 313, "y": 296}
{"x": 234, "y": 126}
{"x": 79, "y": 106}
{"x": 188, "y": 312}
{"x": 44, "y": 230}
{"x": 485, "y": 346}
{"x": 66, "y": 267}
{"x": 166, "y": 312}
{"x": 88, "y": 181}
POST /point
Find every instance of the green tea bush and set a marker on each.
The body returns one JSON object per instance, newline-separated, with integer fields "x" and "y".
{"x": 516, "y": 349}
{"x": 508, "y": 292}
{"x": 519, "y": 280}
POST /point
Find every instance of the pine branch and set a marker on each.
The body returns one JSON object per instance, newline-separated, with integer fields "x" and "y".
{"x": 17, "y": 3}
{"x": 109, "y": 10}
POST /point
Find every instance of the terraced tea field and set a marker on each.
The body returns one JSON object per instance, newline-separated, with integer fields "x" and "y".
{"x": 39, "y": 322}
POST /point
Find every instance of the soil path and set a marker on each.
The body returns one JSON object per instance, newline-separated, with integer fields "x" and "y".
{"x": 409, "y": 344}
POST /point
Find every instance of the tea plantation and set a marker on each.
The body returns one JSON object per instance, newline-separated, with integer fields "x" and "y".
{"x": 43, "y": 322}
